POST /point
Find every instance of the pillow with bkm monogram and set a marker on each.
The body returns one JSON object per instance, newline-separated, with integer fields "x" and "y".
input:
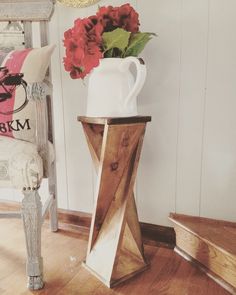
{"x": 20, "y": 68}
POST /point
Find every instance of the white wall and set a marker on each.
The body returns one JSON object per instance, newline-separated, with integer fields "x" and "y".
{"x": 188, "y": 163}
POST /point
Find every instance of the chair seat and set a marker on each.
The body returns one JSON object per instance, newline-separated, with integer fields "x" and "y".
{"x": 20, "y": 163}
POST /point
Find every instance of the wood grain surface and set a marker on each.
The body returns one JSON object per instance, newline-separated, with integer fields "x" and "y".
{"x": 115, "y": 231}
{"x": 64, "y": 251}
{"x": 210, "y": 242}
{"x": 222, "y": 234}
{"x": 152, "y": 234}
{"x": 114, "y": 120}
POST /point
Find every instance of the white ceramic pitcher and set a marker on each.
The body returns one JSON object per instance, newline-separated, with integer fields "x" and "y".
{"x": 112, "y": 89}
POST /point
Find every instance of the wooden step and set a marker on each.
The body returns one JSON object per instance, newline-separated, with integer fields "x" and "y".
{"x": 210, "y": 244}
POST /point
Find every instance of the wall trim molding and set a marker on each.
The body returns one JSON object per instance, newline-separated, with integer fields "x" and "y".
{"x": 155, "y": 235}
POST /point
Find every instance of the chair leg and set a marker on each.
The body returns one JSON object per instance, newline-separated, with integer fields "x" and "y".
{"x": 32, "y": 220}
{"x": 53, "y": 192}
{"x": 53, "y": 215}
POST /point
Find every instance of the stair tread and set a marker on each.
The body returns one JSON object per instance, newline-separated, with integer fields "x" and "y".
{"x": 220, "y": 233}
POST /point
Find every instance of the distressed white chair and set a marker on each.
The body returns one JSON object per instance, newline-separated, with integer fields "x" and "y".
{"x": 24, "y": 163}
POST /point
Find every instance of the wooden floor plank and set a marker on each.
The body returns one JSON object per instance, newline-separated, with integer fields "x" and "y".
{"x": 63, "y": 252}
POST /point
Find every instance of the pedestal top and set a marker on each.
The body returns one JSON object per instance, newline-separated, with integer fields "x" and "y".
{"x": 114, "y": 120}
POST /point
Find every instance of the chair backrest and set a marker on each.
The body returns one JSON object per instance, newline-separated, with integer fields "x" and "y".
{"x": 23, "y": 110}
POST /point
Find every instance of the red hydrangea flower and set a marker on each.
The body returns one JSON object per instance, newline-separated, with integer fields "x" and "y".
{"x": 124, "y": 17}
{"x": 128, "y": 18}
{"x": 108, "y": 18}
{"x": 83, "y": 43}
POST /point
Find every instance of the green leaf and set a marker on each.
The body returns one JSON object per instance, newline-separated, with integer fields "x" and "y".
{"x": 119, "y": 38}
{"x": 137, "y": 43}
{"x": 109, "y": 53}
{"x": 113, "y": 52}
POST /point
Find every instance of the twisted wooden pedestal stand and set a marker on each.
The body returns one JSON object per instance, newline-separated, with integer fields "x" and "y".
{"x": 115, "y": 249}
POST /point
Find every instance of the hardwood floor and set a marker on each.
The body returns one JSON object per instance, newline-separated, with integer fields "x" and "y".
{"x": 63, "y": 253}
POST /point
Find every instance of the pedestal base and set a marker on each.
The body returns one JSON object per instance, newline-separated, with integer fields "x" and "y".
{"x": 113, "y": 283}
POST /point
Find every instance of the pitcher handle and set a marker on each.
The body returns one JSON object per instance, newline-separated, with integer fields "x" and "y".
{"x": 141, "y": 75}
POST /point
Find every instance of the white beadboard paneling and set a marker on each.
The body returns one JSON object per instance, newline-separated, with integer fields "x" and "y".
{"x": 192, "y": 96}
{"x": 79, "y": 171}
{"x": 170, "y": 170}
{"x": 159, "y": 98}
{"x": 219, "y": 157}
